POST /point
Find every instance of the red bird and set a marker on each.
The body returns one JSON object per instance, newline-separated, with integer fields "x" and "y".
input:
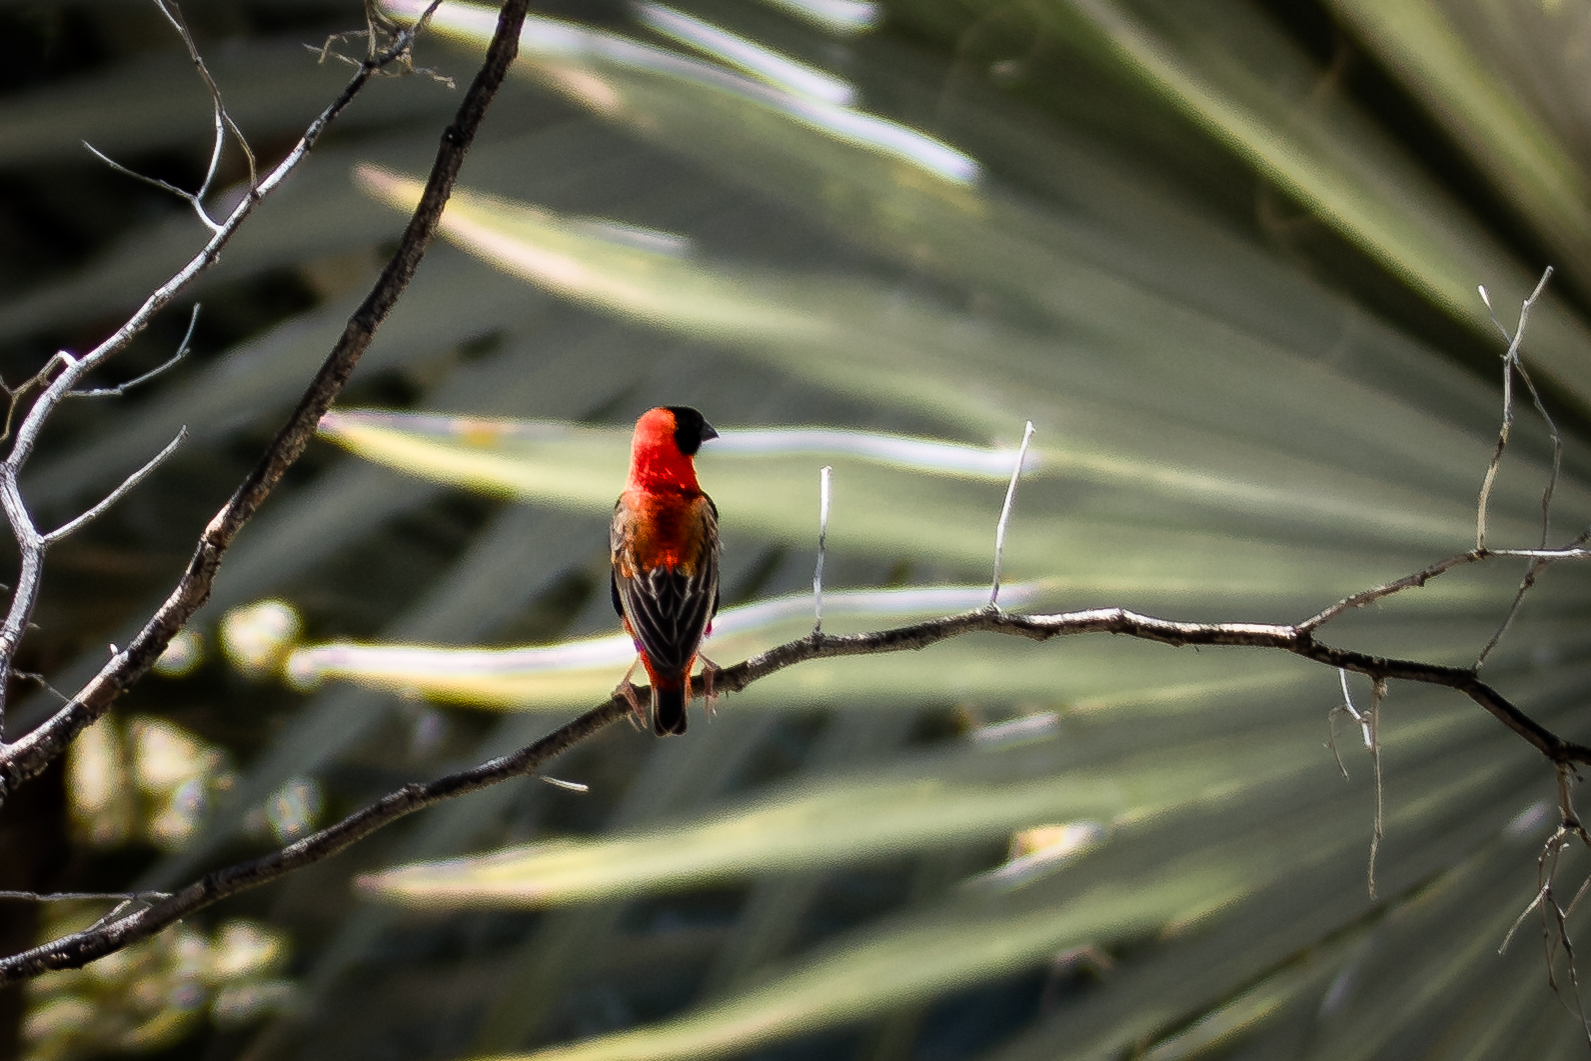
{"x": 664, "y": 543}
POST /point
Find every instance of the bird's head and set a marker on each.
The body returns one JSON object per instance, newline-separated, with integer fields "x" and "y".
{"x": 666, "y": 438}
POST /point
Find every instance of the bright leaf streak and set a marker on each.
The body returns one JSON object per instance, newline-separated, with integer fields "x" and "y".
{"x": 746, "y": 55}
{"x": 550, "y": 41}
{"x": 556, "y": 675}
{"x": 896, "y": 451}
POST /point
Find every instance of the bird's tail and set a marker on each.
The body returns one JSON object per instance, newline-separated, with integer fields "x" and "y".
{"x": 668, "y": 708}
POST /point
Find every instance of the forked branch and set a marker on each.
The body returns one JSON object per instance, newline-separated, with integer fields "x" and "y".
{"x": 28, "y": 756}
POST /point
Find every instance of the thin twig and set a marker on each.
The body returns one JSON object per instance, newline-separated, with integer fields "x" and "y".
{"x": 1557, "y": 452}
{"x": 1569, "y": 553}
{"x": 42, "y": 683}
{"x": 1535, "y": 397}
{"x": 1519, "y": 921}
{"x": 127, "y": 485}
{"x": 122, "y": 388}
{"x": 166, "y": 186}
{"x": 1419, "y": 578}
{"x": 1541, "y": 559}
{"x": 1378, "y": 693}
{"x": 823, "y": 538}
{"x": 1510, "y": 359}
{"x": 1005, "y": 515}
{"x": 223, "y": 125}
{"x": 1526, "y": 584}
{"x": 223, "y": 119}
{"x": 1554, "y": 916}
{"x": 1512, "y": 362}
{"x": 1344, "y": 708}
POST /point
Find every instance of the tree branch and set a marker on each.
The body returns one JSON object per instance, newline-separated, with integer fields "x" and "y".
{"x": 83, "y": 947}
{"x": 29, "y": 756}
{"x": 1510, "y": 363}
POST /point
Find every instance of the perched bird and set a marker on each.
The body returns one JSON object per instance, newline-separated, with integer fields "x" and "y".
{"x": 664, "y": 543}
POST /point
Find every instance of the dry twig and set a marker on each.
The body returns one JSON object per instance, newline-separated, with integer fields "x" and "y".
{"x": 28, "y": 756}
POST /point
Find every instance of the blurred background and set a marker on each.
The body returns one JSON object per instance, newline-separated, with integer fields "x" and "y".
{"x": 1222, "y": 253}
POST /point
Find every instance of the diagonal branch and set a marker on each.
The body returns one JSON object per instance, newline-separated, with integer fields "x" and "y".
{"x": 127, "y": 485}
{"x": 63, "y": 372}
{"x": 1387, "y": 589}
{"x": 28, "y": 756}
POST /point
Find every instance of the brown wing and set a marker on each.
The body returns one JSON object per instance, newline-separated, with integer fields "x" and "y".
{"x": 667, "y": 606}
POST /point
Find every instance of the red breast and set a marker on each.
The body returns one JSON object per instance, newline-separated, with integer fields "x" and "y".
{"x": 664, "y": 503}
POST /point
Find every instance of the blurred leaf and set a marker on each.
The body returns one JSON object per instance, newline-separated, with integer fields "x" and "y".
{"x": 1521, "y": 153}
{"x": 153, "y": 993}
{"x": 873, "y": 345}
{"x": 815, "y": 132}
{"x": 1149, "y": 876}
{"x": 1229, "y": 68}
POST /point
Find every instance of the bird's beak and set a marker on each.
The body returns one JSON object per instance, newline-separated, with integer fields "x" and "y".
{"x": 707, "y": 431}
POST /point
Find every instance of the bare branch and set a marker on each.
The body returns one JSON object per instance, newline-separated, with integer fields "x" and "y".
{"x": 167, "y": 292}
{"x": 1554, "y": 916}
{"x": 1543, "y": 557}
{"x": 122, "y": 388}
{"x": 73, "y": 897}
{"x": 83, "y": 947}
{"x": 29, "y": 755}
{"x": 823, "y": 538}
{"x": 1510, "y": 361}
{"x": 223, "y": 120}
{"x": 1344, "y": 708}
{"x": 1418, "y": 579}
{"x": 115, "y": 495}
{"x": 1358, "y": 716}
{"x": 1557, "y": 452}
{"x": 166, "y": 186}
{"x": 1005, "y": 515}
{"x": 1536, "y": 567}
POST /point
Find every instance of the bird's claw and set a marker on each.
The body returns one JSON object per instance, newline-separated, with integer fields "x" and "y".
{"x": 709, "y": 696}
{"x": 631, "y": 695}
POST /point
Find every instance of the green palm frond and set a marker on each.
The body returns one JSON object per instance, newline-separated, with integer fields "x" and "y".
{"x": 1229, "y": 280}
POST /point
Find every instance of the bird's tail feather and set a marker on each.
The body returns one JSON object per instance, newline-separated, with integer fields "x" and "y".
{"x": 668, "y": 709}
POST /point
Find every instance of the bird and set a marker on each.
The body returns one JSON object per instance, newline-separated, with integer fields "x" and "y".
{"x": 664, "y": 549}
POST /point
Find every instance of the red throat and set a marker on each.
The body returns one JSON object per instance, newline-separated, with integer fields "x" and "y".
{"x": 655, "y": 458}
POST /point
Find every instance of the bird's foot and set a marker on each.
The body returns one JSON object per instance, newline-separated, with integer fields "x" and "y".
{"x": 631, "y": 695}
{"x": 709, "y": 696}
